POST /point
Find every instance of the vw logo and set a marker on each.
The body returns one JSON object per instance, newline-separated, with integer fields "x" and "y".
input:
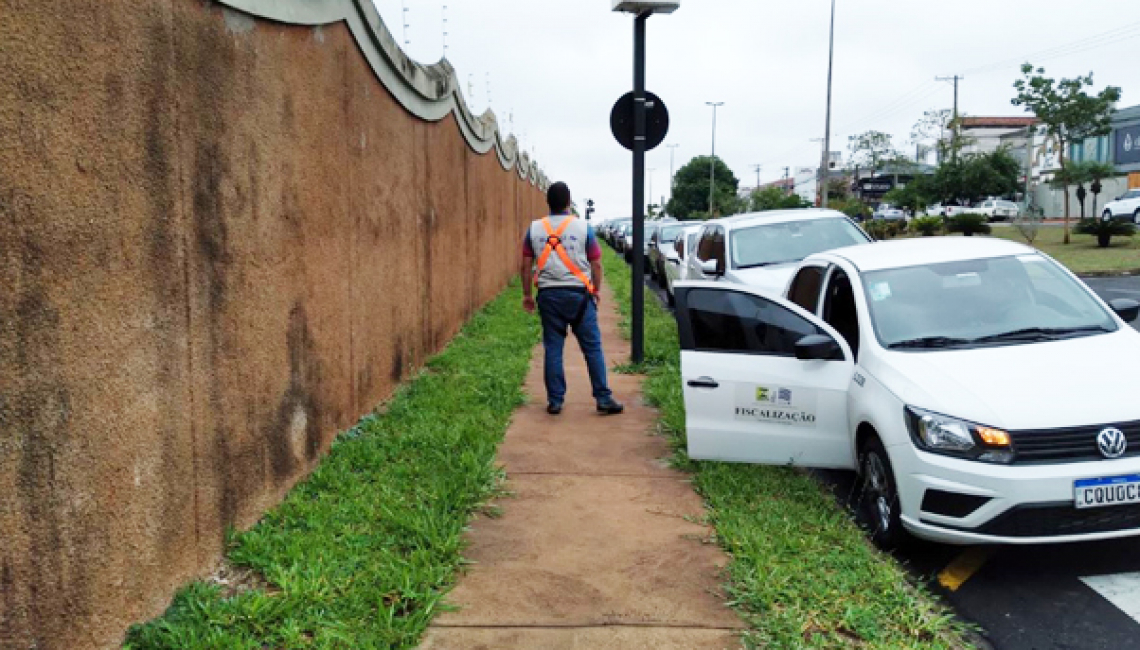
{"x": 1111, "y": 443}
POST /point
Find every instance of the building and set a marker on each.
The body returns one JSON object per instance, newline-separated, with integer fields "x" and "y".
{"x": 1120, "y": 148}
{"x": 980, "y": 135}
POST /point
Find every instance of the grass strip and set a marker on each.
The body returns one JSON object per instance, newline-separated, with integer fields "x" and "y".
{"x": 360, "y": 554}
{"x": 802, "y": 573}
{"x": 1082, "y": 256}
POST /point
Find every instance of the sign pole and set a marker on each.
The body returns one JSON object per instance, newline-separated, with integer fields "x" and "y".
{"x": 637, "y": 333}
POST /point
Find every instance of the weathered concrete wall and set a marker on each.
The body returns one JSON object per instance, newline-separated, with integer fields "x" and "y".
{"x": 222, "y": 240}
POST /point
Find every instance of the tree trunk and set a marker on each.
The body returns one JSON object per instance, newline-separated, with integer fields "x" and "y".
{"x": 1061, "y": 153}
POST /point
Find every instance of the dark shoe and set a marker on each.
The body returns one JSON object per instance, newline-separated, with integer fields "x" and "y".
{"x": 610, "y": 406}
{"x": 554, "y": 408}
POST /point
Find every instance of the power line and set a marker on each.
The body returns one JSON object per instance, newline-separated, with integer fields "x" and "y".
{"x": 1111, "y": 37}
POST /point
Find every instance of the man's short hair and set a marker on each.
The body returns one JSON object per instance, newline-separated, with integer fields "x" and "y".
{"x": 558, "y": 197}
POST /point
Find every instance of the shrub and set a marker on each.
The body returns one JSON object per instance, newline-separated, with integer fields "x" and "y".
{"x": 1028, "y": 223}
{"x": 926, "y": 226}
{"x": 852, "y": 207}
{"x": 968, "y": 224}
{"x": 879, "y": 229}
{"x": 1104, "y": 229}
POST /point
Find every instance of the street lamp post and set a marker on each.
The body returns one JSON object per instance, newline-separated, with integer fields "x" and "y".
{"x": 671, "y": 147}
{"x": 642, "y": 9}
{"x": 712, "y": 161}
{"x": 825, "y": 164}
{"x": 651, "y": 170}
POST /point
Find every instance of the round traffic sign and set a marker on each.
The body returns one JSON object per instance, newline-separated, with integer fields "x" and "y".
{"x": 656, "y": 120}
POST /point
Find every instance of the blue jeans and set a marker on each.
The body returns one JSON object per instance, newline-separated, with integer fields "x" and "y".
{"x": 559, "y": 309}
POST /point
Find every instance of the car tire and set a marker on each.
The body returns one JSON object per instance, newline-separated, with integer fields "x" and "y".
{"x": 1136, "y": 217}
{"x": 877, "y": 497}
{"x": 1106, "y": 215}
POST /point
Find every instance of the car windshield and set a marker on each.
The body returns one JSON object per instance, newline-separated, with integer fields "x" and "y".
{"x": 669, "y": 234}
{"x": 791, "y": 241}
{"x": 1018, "y": 299}
{"x": 1006, "y": 204}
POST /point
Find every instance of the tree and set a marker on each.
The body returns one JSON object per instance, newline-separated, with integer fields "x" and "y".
{"x": 774, "y": 198}
{"x": 1067, "y": 112}
{"x": 972, "y": 178}
{"x": 691, "y": 189}
{"x": 930, "y": 130}
{"x": 870, "y": 149}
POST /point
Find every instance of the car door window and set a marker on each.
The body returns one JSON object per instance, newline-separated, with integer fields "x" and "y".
{"x": 840, "y": 310}
{"x": 731, "y": 321}
{"x": 805, "y": 287}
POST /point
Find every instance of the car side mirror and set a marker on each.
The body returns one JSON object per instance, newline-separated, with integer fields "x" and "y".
{"x": 819, "y": 347}
{"x": 711, "y": 267}
{"x": 1125, "y": 308}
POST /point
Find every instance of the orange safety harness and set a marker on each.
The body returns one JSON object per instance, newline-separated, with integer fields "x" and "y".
{"x": 554, "y": 243}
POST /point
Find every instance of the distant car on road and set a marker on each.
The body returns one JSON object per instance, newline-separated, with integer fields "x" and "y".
{"x": 948, "y": 210}
{"x": 661, "y": 249}
{"x": 1127, "y": 206}
{"x": 676, "y": 267}
{"x": 888, "y": 212}
{"x": 997, "y": 209}
{"x": 979, "y": 389}
{"x": 761, "y": 249}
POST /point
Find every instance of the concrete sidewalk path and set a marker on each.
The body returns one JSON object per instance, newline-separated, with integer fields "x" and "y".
{"x": 595, "y": 547}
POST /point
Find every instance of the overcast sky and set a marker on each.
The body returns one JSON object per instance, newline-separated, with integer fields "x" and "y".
{"x": 557, "y": 66}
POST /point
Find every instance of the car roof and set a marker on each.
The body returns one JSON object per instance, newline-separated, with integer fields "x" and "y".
{"x": 901, "y": 253}
{"x": 775, "y": 216}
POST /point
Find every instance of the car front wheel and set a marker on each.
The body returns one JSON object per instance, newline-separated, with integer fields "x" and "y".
{"x": 1107, "y": 215}
{"x": 1136, "y": 217}
{"x": 878, "y": 506}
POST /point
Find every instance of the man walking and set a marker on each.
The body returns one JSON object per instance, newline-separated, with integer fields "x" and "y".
{"x": 566, "y": 261}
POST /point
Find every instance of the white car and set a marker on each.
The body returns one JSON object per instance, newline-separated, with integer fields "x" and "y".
{"x": 888, "y": 212}
{"x": 761, "y": 249}
{"x": 949, "y": 210}
{"x": 997, "y": 209}
{"x": 1125, "y": 207}
{"x": 675, "y": 269}
{"x": 982, "y": 392}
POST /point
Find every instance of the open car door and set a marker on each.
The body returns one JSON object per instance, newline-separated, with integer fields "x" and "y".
{"x": 764, "y": 380}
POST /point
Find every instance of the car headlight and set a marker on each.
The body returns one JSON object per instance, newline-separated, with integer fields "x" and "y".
{"x": 942, "y": 434}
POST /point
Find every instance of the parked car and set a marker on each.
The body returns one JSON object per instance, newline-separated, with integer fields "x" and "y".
{"x": 661, "y": 250}
{"x": 968, "y": 381}
{"x": 613, "y": 230}
{"x": 676, "y": 268}
{"x": 948, "y": 210}
{"x": 1126, "y": 206}
{"x": 888, "y": 212}
{"x": 761, "y": 249}
{"x": 997, "y": 209}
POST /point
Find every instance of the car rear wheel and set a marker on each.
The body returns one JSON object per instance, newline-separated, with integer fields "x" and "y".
{"x": 878, "y": 509}
{"x": 1107, "y": 215}
{"x": 1136, "y": 217}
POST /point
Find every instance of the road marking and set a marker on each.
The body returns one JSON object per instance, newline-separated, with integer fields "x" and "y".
{"x": 1120, "y": 589}
{"x": 964, "y": 566}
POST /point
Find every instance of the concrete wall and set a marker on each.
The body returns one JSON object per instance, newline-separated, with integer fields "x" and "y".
{"x": 222, "y": 240}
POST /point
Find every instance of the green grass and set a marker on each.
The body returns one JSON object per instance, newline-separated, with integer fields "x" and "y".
{"x": 360, "y": 554}
{"x": 1082, "y": 255}
{"x": 802, "y": 574}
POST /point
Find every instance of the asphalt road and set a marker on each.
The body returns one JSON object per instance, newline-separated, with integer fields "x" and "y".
{"x": 1043, "y": 597}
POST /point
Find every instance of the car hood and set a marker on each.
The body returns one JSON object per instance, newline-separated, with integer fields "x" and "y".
{"x": 1079, "y": 381}
{"x": 769, "y": 279}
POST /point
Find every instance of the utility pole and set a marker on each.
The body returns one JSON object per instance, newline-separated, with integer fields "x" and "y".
{"x": 405, "y": 13}
{"x": 444, "y": 31}
{"x": 650, "y": 192}
{"x": 1028, "y": 165}
{"x": 712, "y": 160}
{"x": 954, "y": 132}
{"x": 757, "y": 168}
{"x": 787, "y": 171}
{"x": 824, "y": 167}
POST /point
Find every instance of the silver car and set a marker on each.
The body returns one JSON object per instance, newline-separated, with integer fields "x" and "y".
{"x": 761, "y": 249}
{"x": 676, "y": 266}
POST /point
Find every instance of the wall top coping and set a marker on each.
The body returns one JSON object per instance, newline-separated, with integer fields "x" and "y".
{"x": 430, "y": 92}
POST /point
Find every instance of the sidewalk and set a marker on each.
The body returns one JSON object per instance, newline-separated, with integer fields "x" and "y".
{"x": 593, "y": 549}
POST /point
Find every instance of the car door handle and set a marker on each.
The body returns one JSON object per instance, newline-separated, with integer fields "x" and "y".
{"x": 703, "y": 382}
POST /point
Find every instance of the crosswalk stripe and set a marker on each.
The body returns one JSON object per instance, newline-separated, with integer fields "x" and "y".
{"x": 1120, "y": 589}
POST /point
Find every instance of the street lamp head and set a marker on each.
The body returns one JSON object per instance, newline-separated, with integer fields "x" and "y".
{"x": 646, "y": 6}
{"x": 714, "y": 104}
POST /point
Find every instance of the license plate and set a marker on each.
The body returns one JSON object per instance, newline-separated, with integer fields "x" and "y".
{"x": 1101, "y": 492}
